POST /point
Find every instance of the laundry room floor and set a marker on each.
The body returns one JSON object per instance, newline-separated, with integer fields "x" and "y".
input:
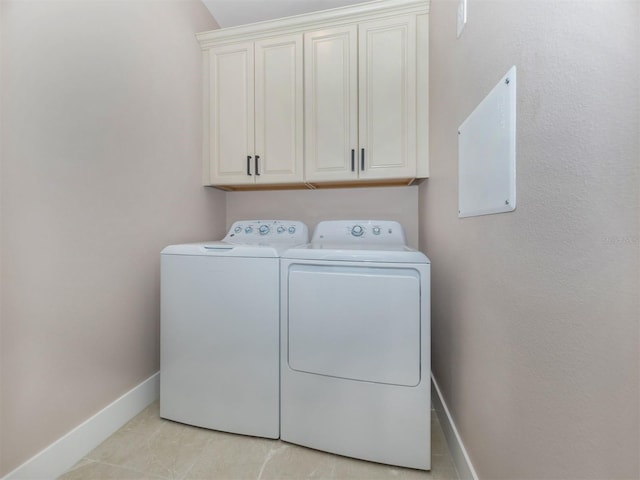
{"x": 149, "y": 447}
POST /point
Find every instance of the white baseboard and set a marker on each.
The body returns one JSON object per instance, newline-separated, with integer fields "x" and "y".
{"x": 62, "y": 454}
{"x": 458, "y": 452}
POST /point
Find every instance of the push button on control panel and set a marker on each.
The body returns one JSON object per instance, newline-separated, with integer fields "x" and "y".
{"x": 357, "y": 231}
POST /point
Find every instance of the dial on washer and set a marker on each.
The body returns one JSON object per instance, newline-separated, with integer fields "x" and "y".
{"x": 357, "y": 230}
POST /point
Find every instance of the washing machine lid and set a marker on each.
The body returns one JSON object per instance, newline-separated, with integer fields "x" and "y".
{"x": 359, "y": 253}
{"x": 225, "y": 249}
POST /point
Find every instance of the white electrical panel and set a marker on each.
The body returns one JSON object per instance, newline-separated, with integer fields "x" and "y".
{"x": 487, "y": 153}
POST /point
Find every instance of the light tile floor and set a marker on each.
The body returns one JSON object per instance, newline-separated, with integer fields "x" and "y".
{"x": 149, "y": 447}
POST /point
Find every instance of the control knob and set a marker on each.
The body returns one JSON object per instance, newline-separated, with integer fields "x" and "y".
{"x": 376, "y": 230}
{"x": 237, "y": 229}
{"x": 292, "y": 229}
{"x": 264, "y": 229}
{"x": 248, "y": 230}
{"x": 281, "y": 229}
{"x": 357, "y": 231}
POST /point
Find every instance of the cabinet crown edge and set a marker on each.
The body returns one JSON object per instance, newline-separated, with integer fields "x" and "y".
{"x": 318, "y": 19}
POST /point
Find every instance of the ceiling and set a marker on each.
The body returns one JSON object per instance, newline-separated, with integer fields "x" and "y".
{"x": 229, "y": 13}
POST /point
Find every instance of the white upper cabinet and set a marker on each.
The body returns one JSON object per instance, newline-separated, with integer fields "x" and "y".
{"x": 279, "y": 110}
{"x": 331, "y": 104}
{"x": 360, "y": 101}
{"x": 255, "y": 113}
{"x": 387, "y": 92}
{"x": 231, "y": 113}
{"x": 334, "y": 97}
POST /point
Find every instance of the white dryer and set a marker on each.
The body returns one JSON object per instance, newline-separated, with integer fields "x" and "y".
{"x": 219, "y": 336}
{"x": 355, "y": 361}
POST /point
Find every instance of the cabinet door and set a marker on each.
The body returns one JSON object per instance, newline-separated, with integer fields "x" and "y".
{"x": 279, "y": 110}
{"x": 331, "y": 104}
{"x": 231, "y": 113}
{"x": 387, "y": 91}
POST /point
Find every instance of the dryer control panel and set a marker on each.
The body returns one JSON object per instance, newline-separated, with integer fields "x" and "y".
{"x": 359, "y": 232}
{"x": 289, "y": 232}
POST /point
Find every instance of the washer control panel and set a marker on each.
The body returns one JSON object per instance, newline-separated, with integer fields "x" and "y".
{"x": 361, "y": 232}
{"x": 291, "y": 232}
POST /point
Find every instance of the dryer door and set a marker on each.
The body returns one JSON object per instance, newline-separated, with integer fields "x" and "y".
{"x": 355, "y": 322}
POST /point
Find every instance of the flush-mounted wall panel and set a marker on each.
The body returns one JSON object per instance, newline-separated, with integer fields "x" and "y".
{"x": 487, "y": 153}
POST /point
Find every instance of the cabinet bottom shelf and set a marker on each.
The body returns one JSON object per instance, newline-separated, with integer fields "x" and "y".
{"x": 396, "y": 182}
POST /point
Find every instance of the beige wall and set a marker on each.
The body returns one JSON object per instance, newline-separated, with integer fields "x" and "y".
{"x": 535, "y": 312}
{"x": 313, "y": 206}
{"x": 101, "y": 115}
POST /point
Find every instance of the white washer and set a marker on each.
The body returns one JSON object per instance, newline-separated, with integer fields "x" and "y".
{"x": 219, "y": 340}
{"x": 355, "y": 369}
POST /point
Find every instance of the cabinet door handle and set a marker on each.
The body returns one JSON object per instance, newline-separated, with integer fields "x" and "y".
{"x": 362, "y": 159}
{"x": 257, "y": 171}
{"x": 249, "y": 165}
{"x": 353, "y": 160}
